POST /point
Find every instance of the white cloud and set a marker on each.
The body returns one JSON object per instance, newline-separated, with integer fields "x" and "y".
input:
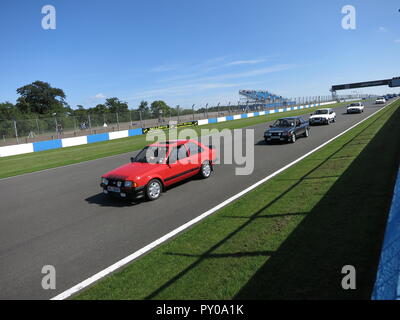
{"x": 246, "y": 74}
{"x": 100, "y": 96}
{"x": 397, "y": 41}
{"x": 240, "y": 62}
{"x": 183, "y": 90}
{"x": 382, "y": 29}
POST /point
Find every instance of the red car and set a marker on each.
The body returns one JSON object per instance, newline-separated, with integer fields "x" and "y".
{"x": 157, "y": 166}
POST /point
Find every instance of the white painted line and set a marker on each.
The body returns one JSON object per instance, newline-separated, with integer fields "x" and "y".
{"x": 133, "y": 256}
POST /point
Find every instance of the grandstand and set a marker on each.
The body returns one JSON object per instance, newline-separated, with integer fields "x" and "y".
{"x": 265, "y": 99}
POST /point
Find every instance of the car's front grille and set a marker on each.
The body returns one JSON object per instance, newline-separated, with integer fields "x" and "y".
{"x": 115, "y": 183}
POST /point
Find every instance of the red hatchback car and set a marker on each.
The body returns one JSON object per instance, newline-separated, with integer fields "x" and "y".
{"x": 157, "y": 166}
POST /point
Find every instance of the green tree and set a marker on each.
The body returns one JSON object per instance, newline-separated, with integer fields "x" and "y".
{"x": 159, "y": 105}
{"x": 8, "y": 111}
{"x": 40, "y": 98}
{"x": 143, "y": 106}
{"x": 114, "y": 105}
{"x": 100, "y": 108}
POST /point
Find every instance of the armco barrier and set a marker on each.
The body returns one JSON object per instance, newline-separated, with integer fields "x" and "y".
{"x": 387, "y": 284}
{"x": 76, "y": 141}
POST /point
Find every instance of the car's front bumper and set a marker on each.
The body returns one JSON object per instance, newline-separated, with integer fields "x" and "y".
{"x": 354, "y": 110}
{"x": 276, "y": 138}
{"x": 123, "y": 192}
{"x": 318, "y": 121}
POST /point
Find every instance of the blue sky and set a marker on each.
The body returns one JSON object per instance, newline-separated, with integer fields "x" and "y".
{"x": 186, "y": 51}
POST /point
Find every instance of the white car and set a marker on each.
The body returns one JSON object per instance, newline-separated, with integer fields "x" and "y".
{"x": 356, "y": 107}
{"x": 322, "y": 116}
{"x": 380, "y": 100}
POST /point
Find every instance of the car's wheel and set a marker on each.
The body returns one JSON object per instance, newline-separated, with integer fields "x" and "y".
{"x": 266, "y": 141}
{"x": 334, "y": 119}
{"x": 153, "y": 189}
{"x": 205, "y": 170}
{"x": 293, "y": 138}
{"x": 307, "y": 133}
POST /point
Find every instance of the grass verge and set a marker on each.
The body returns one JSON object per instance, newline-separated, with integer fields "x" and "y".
{"x": 36, "y": 161}
{"x": 287, "y": 239}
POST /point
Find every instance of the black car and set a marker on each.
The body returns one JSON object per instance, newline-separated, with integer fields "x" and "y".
{"x": 287, "y": 130}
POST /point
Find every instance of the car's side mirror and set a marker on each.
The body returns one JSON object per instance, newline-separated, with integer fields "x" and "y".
{"x": 270, "y": 125}
{"x": 132, "y": 159}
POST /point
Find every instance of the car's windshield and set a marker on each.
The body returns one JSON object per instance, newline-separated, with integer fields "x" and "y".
{"x": 151, "y": 154}
{"x": 321, "y": 112}
{"x": 355, "y": 105}
{"x": 284, "y": 123}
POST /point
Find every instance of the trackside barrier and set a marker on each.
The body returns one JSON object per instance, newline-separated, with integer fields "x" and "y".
{"x": 76, "y": 141}
{"x": 387, "y": 284}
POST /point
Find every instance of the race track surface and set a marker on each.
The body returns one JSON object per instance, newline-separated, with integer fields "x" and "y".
{"x": 60, "y": 217}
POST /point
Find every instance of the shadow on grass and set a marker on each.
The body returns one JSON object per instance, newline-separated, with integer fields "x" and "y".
{"x": 345, "y": 227}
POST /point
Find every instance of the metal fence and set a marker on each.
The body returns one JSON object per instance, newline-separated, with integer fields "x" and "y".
{"x": 56, "y": 127}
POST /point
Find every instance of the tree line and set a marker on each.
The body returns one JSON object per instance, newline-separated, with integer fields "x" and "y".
{"x": 40, "y": 107}
{"x": 40, "y": 100}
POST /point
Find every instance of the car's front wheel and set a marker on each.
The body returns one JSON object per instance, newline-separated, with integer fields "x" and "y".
{"x": 293, "y": 138}
{"x": 307, "y": 133}
{"x": 205, "y": 170}
{"x": 153, "y": 189}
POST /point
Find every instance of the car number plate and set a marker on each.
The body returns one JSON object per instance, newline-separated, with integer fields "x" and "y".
{"x": 113, "y": 189}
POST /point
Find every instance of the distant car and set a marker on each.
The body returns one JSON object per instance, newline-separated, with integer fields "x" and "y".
{"x": 157, "y": 166}
{"x": 287, "y": 130}
{"x": 322, "y": 116}
{"x": 380, "y": 100}
{"x": 356, "y": 107}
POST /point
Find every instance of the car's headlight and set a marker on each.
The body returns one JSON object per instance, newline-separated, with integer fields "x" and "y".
{"x": 104, "y": 181}
{"x": 128, "y": 184}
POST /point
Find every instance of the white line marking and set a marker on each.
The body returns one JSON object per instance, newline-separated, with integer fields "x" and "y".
{"x": 171, "y": 234}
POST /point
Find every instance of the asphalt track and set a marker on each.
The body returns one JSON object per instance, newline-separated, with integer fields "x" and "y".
{"x": 60, "y": 217}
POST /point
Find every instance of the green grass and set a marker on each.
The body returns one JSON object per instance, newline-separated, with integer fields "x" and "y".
{"x": 287, "y": 239}
{"x": 25, "y": 163}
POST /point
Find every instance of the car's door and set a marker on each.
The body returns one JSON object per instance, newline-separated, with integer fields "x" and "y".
{"x": 195, "y": 156}
{"x": 299, "y": 129}
{"x": 178, "y": 165}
